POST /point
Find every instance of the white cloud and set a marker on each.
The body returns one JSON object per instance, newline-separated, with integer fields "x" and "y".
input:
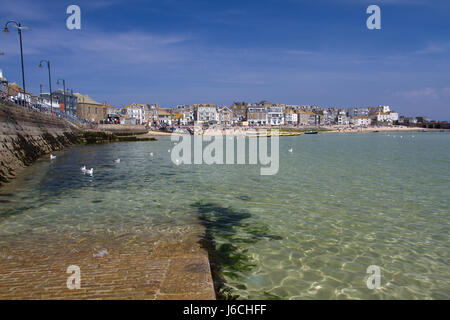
{"x": 298, "y": 52}
{"x": 130, "y": 47}
{"x": 432, "y": 48}
{"x": 428, "y": 93}
{"x": 23, "y": 11}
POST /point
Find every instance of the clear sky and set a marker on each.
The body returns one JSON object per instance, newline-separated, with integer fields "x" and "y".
{"x": 207, "y": 51}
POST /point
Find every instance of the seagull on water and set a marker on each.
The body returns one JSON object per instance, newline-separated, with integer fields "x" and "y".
{"x": 151, "y": 154}
{"x": 290, "y": 150}
{"x": 83, "y": 168}
{"x": 52, "y": 157}
{"x": 117, "y": 161}
{"x": 90, "y": 171}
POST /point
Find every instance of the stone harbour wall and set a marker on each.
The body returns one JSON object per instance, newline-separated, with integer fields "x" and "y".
{"x": 26, "y": 135}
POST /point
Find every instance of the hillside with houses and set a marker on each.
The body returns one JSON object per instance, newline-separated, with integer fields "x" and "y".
{"x": 80, "y": 107}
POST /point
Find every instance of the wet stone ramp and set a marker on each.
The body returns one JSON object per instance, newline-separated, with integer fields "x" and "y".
{"x": 134, "y": 267}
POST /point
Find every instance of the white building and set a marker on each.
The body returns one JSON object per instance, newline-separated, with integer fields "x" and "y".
{"x": 290, "y": 117}
{"x": 342, "y": 118}
{"x": 136, "y": 112}
{"x": 275, "y": 115}
{"x": 393, "y": 116}
{"x": 358, "y": 112}
{"x": 361, "y": 121}
{"x": 385, "y": 109}
{"x": 381, "y": 117}
{"x": 207, "y": 113}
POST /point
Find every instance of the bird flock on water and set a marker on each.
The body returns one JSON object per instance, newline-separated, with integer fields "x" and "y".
{"x": 91, "y": 170}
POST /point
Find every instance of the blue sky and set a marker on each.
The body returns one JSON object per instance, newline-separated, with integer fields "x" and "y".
{"x": 206, "y": 51}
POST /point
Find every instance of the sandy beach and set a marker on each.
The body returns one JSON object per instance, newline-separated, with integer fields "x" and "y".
{"x": 239, "y": 131}
{"x": 333, "y": 129}
{"x": 382, "y": 129}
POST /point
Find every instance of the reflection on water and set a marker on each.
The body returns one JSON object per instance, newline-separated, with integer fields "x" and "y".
{"x": 339, "y": 203}
{"x": 226, "y": 238}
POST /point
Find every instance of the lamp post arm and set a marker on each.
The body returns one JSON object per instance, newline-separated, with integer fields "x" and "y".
{"x": 12, "y": 21}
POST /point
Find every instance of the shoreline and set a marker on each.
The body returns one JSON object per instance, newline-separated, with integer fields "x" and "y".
{"x": 290, "y": 131}
{"x": 384, "y": 129}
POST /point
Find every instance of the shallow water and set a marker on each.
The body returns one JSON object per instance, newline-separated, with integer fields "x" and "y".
{"x": 339, "y": 203}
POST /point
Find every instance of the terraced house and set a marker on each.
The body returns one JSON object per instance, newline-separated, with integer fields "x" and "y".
{"x": 187, "y": 114}
{"x": 207, "y": 113}
{"x": 136, "y": 113}
{"x": 225, "y": 116}
{"x": 164, "y": 117}
{"x": 290, "y": 116}
{"x": 275, "y": 115}
{"x": 151, "y": 113}
{"x": 308, "y": 118}
{"x": 239, "y": 110}
{"x": 342, "y": 118}
{"x": 257, "y": 115}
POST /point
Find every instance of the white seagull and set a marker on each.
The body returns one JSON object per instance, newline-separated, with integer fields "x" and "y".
{"x": 52, "y": 157}
{"x": 151, "y": 154}
{"x": 117, "y": 161}
{"x": 83, "y": 168}
{"x": 290, "y": 150}
{"x": 90, "y": 171}
{"x": 101, "y": 253}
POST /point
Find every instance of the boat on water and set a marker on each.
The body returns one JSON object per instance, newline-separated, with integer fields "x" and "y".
{"x": 311, "y": 132}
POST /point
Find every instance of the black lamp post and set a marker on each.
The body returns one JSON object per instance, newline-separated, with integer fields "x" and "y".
{"x": 40, "y": 96}
{"x": 64, "y": 88}
{"x": 49, "y": 82}
{"x": 19, "y": 28}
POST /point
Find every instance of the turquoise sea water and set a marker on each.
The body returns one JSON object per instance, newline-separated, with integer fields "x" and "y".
{"x": 339, "y": 203}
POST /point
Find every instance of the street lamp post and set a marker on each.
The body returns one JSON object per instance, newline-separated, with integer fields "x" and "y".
{"x": 73, "y": 104}
{"x": 64, "y": 88}
{"x": 19, "y": 28}
{"x": 40, "y": 96}
{"x": 49, "y": 83}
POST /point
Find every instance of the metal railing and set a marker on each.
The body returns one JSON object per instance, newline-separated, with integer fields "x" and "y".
{"x": 37, "y": 104}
